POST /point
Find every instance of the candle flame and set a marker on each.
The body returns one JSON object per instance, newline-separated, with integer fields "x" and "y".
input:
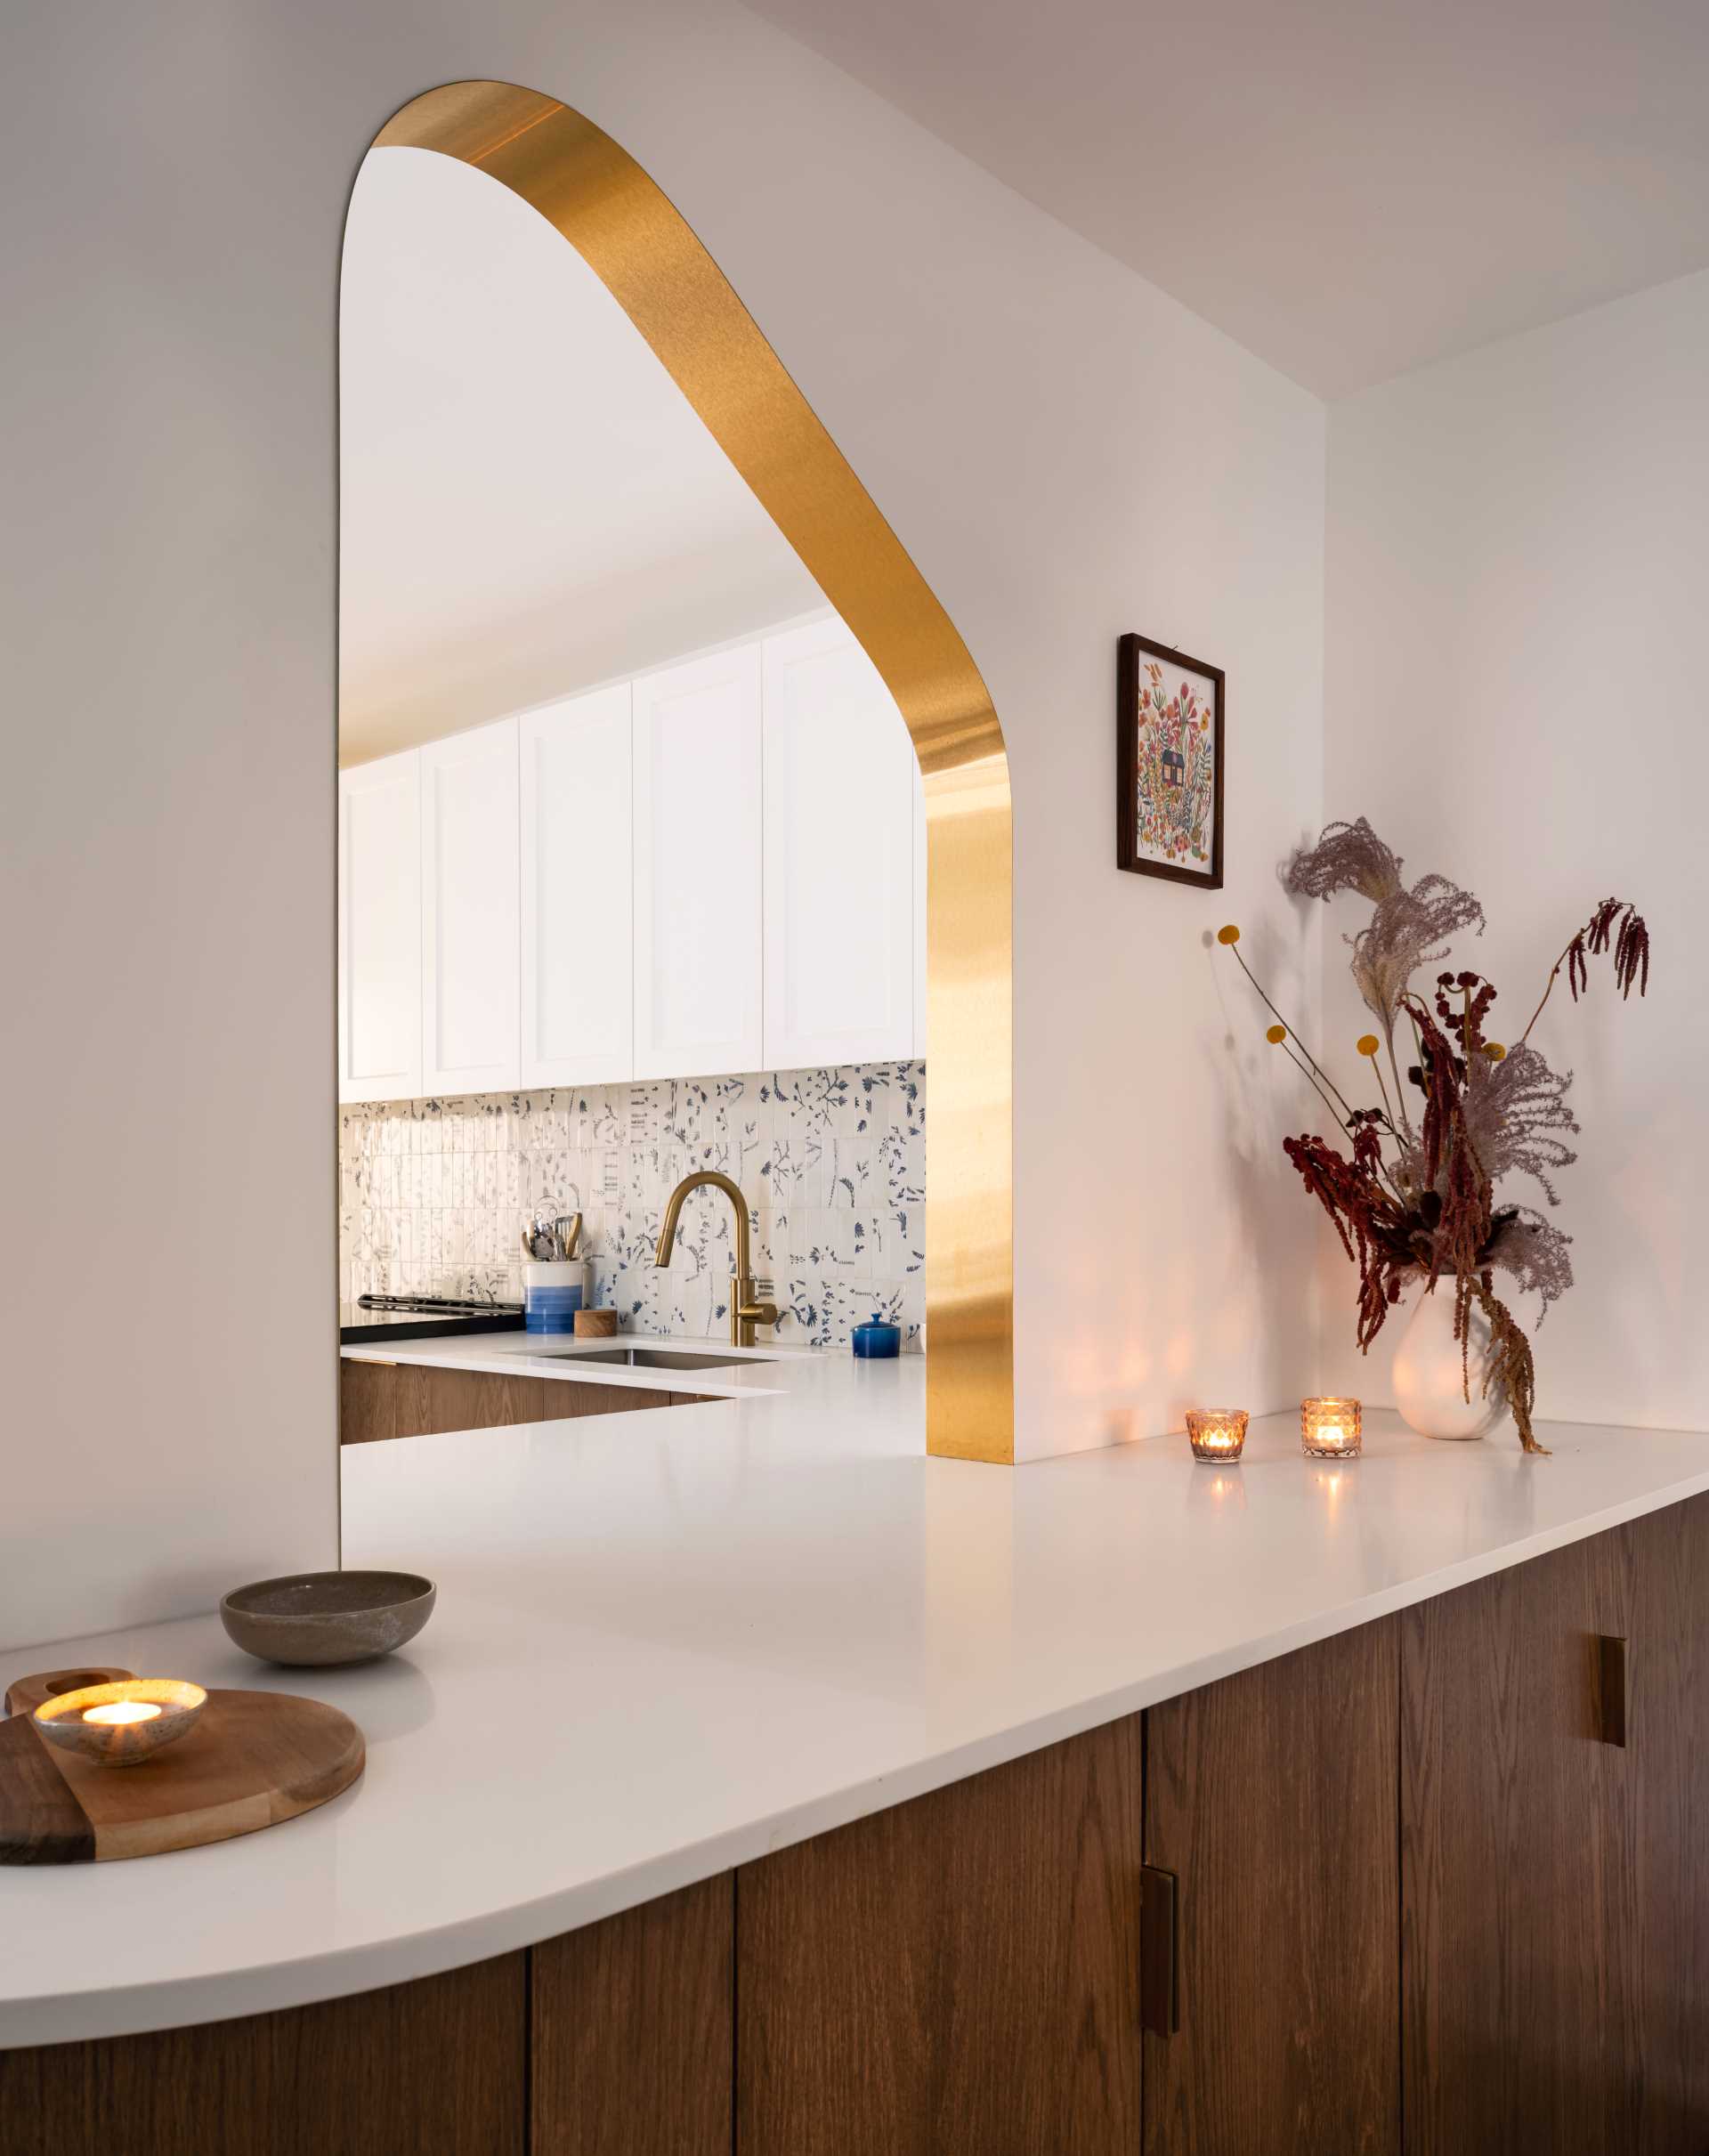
{"x": 121, "y": 1710}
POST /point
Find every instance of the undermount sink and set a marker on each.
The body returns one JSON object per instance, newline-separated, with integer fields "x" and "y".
{"x": 666, "y": 1359}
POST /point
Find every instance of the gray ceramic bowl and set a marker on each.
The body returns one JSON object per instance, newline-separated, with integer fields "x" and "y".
{"x": 315, "y": 1619}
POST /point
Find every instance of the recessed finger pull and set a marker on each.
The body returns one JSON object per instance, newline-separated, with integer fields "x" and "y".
{"x": 1611, "y": 1689}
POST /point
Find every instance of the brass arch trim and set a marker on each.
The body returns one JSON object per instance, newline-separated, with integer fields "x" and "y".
{"x": 642, "y": 251}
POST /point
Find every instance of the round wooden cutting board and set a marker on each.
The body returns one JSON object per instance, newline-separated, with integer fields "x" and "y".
{"x": 252, "y": 1759}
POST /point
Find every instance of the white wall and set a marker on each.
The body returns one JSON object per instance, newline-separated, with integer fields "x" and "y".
{"x": 1518, "y": 555}
{"x": 528, "y": 503}
{"x": 1066, "y": 454}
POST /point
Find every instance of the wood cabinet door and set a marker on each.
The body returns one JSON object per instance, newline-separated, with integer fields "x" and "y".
{"x": 696, "y": 867}
{"x": 379, "y": 930}
{"x": 438, "y": 2065}
{"x": 957, "y": 1976}
{"x": 839, "y": 779}
{"x": 471, "y": 1029}
{"x": 578, "y": 860}
{"x": 1556, "y": 1897}
{"x": 1271, "y": 1796}
{"x": 633, "y": 2022}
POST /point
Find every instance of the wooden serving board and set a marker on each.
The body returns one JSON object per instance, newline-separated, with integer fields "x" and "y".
{"x": 252, "y": 1759}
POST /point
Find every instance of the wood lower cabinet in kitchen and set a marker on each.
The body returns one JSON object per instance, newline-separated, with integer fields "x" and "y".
{"x": 957, "y": 1976}
{"x": 438, "y": 2066}
{"x": 413, "y": 1399}
{"x": 410, "y": 1400}
{"x": 565, "y": 1400}
{"x": 634, "y": 2024}
{"x": 1555, "y": 1887}
{"x": 1271, "y": 1798}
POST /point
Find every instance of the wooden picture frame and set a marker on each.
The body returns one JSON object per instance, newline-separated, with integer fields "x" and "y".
{"x": 1181, "y": 843}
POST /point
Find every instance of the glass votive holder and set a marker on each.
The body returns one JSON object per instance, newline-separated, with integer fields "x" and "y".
{"x": 1330, "y": 1429}
{"x": 1216, "y": 1433}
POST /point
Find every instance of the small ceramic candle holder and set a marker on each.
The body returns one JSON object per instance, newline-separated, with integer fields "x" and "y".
{"x": 1331, "y": 1430}
{"x": 1217, "y": 1434}
{"x": 121, "y": 1724}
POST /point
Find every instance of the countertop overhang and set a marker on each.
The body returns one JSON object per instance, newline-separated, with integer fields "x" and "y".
{"x": 667, "y": 1644}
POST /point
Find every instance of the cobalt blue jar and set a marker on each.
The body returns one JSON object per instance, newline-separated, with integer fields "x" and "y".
{"x": 877, "y": 1338}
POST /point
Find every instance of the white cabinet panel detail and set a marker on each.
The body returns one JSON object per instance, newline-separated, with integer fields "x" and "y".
{"x": 696, "y": 867}
{"x": 379, "y": 930}
{"x": 578, "y": 853}
{"x": 839, "y": 819}
{"x": 471, "y": 1035}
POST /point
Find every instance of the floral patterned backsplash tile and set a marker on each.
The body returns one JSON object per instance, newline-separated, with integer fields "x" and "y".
{"x": 434, "y": 1195}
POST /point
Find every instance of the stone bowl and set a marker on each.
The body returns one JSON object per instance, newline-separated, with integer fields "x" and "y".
{"x": 174, "y": 1706}
{"x": 315, "y": 1620}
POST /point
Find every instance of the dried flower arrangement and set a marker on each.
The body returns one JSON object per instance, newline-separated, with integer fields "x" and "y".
{"x": 1415, "y": 1201}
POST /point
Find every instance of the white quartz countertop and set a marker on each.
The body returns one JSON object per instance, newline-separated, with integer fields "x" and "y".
{"x": 730, "y": 1373}
{"x": 669, "y": 1642}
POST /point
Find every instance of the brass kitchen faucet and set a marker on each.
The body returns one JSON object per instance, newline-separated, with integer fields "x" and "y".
{"x": 745, "y": 1313}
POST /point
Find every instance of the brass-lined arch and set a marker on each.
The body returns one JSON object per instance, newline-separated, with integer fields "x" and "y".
{"x": 642, "y": 250}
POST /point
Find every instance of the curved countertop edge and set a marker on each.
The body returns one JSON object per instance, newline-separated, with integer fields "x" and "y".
{"x": 147, "y": 2003}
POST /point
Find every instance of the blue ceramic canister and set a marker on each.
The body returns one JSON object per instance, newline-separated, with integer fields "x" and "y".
{"x": 877, "y": 1338}
{"x": 553, "y": 1291}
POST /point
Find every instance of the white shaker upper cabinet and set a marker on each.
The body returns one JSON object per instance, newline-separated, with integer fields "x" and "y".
{"x": 840, "y": 799}
{"x": 379, "y": 930}
{"x": 578, "y": 863}
{"x": 471, "y": 1033}
{"x": 696, "y": 867}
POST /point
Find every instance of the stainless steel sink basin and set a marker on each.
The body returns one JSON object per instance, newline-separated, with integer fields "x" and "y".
{"x": 666, "y": 1359}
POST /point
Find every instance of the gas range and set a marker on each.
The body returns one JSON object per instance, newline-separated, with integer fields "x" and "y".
{"x": 401, "y": 1317}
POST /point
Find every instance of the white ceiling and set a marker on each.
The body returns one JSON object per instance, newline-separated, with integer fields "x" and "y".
{"x": 1350, "y": 188}
{"x": 529, "y": 505}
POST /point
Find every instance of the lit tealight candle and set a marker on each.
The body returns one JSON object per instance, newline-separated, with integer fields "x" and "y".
{"x": 121, "y": 1710}
{"x": 1331, "y": 1429}
{"x": 1216, "y": 1433}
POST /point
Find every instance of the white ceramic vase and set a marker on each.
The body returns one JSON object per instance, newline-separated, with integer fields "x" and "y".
{"x": 1431, "y": 1368}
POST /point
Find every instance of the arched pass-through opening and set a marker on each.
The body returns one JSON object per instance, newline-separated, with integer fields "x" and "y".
{"x": 627, "y": 232}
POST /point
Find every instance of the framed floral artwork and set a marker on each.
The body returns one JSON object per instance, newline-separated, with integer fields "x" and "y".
{"x": 1169, "y": 763}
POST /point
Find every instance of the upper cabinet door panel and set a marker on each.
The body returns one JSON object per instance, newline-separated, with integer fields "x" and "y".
{"x": 697, "y": 868}
{"x": 578, "y": 857}
{"x": 840, "y": 778}
{"x": 379, "y": 930}
{"x": 470, "y": 938}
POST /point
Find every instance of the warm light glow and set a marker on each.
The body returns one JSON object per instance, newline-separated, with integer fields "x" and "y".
{"x": 1331, "y": 1429}
{"x": 1216, "y": 1433}
{"x": 121, "y": 1710}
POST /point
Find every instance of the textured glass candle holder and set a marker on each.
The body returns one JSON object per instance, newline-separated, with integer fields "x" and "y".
{"x": 1216, "y": 1433}
{"x": 1331, "y": 1430}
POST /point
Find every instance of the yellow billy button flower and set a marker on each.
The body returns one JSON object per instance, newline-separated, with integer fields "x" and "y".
{"x": 1495, "y": 1051}
{"x": 1230, "y": 935}
{"x": 1276, "y": 1036}
{"x": 1368, "y": 1044}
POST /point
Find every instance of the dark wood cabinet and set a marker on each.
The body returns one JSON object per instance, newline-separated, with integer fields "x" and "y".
{"x": 412, "y": 1399}
{"x": 438, "y": 2065}
{"x": 1271, "y": 1798}
{"x": 1555, "y": 1880}
{"x": 960, "y": 1973}
{"x": 633, "y": 2027}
